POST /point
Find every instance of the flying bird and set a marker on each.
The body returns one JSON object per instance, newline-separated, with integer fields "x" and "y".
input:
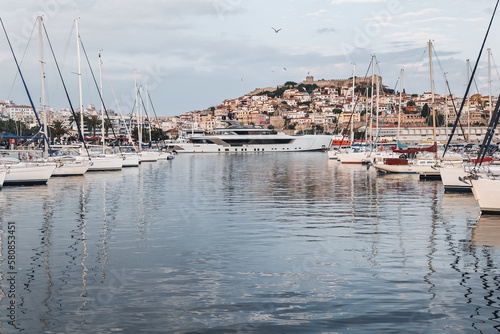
{"x": 284, "y": 68}
{"x": 276, "y": 30}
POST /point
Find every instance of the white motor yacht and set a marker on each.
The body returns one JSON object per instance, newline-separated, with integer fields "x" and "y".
{"x": 237, "y": 138}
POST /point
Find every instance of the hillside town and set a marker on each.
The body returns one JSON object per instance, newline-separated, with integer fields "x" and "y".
{"x": 311, "y": 106}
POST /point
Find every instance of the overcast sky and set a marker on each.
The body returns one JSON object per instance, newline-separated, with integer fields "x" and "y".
{"x": 193, "y": 54}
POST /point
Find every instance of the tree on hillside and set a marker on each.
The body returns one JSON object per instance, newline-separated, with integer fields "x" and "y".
{"x": 425, "y": 111}
{"x": 290, "y": 84}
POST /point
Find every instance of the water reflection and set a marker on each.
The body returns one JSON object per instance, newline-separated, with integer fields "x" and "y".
{"x": 251, "y": 243}
{"x": 487, "y": 232}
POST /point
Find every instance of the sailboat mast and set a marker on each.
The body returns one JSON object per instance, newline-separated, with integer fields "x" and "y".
{"x": 102, "y": 104}
{"x": 468, "y": 103}
{"x": 42, "y": 73}
{"x": 371, "y": 106}
{"x": 139, "y": 126}
{"x": 489, "y": 84}
{"x": 433, "y": 110}
{"x": 377, "y": 105}
{"x": 79, "y": 77}
{"x": 400, "y": 102}
{"x": 446, "y": 105}
{"x": 352, "y": 102}
{"x": 148, "y": 114}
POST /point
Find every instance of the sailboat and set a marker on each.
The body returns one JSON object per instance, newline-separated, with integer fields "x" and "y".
{"x": 67, "y": 165}
{"x": 415, "y": 160}
{"x": 104, "y": 160}
{"x": 486, "y": 186}
{"x": 21, "y": 172}
{"x": 482, "y": 180}
{"x": 457, "y": 179}
{"x": 144, "y": 155}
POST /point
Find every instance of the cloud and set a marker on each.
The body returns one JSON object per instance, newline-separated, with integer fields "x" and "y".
{"x": 338, "y": 2}
{"x": 318, "y": 13}
{"x": 326, "y": 30}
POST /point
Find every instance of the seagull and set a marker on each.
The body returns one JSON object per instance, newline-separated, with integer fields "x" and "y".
{"x": 284, "y": 68}
{"x": 276, "y": 30}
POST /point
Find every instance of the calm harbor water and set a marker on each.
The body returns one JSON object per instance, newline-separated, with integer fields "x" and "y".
{"x": 254, "y": 243}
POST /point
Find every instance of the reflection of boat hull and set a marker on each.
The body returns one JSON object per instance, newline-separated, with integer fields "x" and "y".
{"x": 255, "y": 143}
{"x": 487, "y": 194}
{"x": 487, "y": 232}
{"x": 28, "y": 174}
{"x": 3, "y": 172}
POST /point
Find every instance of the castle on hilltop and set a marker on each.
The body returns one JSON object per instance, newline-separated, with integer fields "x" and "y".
{"x": 339, "y": 83}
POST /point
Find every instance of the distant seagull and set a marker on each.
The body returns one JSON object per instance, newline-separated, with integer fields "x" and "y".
{"x": 276, "y": 30}
{"x": 284, "y": 68}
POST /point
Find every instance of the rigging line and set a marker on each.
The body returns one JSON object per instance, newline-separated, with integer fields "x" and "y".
{"x": 68, "y": 41}
{"x": 148, "y": 118}
{"x": 99, "y": 93}
{"x": 470, "y": 81}
{"x": 495, "y": 65}
{"x": 46, "y": 139}
{"x": 76, "y": 119}
{"x": 489, "y": 135}
{"x": 475, "y": 82}
{"x": 447, "y": 82}
{"x": 353, "y": 109}
{"x": 121, "y": 114}
{"x": 156, "y": 116}
{"x": 385, "y": 116}
{"x": 22, "y": 59}
{"x": 420, "y": 62}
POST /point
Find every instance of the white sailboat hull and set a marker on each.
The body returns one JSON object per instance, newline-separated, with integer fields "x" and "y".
{"x": 428, "y": 169}
{"x": 106, "y": 163}
{"x": 28, "y": 173}
{"x": 130, "y": 160}
{"x": 454, "y": 179}
{"x": 149, "y": 156}
{"x": 72, "y": 168}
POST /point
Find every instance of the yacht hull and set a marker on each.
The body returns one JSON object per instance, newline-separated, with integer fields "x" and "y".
{"x": 72, "y": 168}
{"x": 28, "y": 174}
{"x": 263, "y": 143}
{"x": 106, "y": 163}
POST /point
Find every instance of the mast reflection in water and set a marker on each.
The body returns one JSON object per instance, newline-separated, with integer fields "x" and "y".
{"x": 247, "y": 243}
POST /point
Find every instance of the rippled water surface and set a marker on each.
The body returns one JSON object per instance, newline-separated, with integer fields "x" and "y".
{"x": 256, "y": 243}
